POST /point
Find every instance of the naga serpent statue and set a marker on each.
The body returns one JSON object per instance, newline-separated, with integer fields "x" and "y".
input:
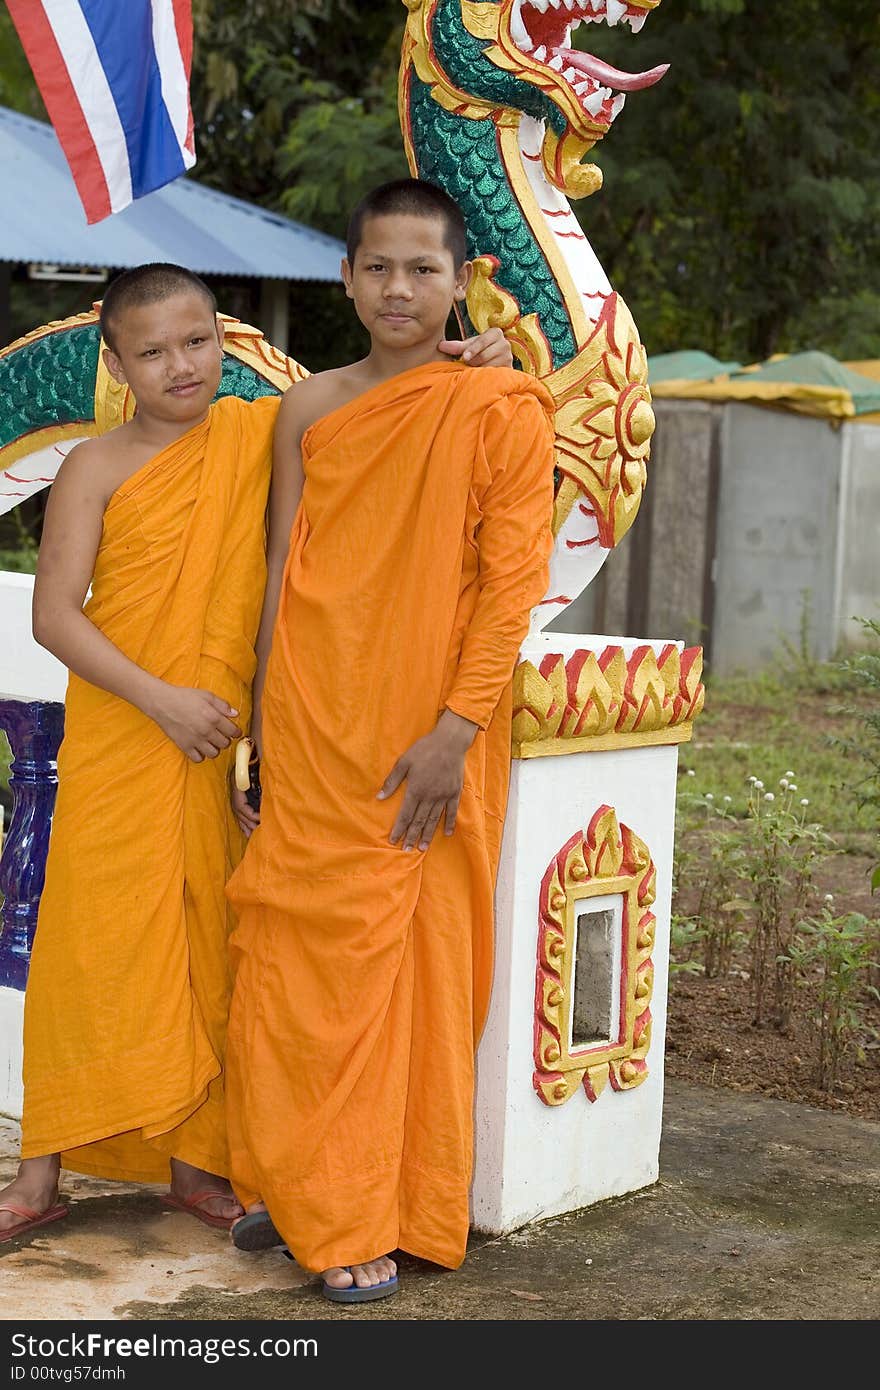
{"x": 498, "y": 109}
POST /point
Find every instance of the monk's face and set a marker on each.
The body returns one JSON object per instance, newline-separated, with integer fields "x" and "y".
{"x": 170, "y": 354}
{"x": 404, "y": 280}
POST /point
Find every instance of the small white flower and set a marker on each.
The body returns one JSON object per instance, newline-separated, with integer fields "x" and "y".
{"x": 789, "y": 773}
{"x": 753, "y": 780}
{"x": 768, "y": 796}
{"x": 792, "y": 787}
{"x": 804, "y": 801}
{"x": 690, "y": 772}
{"x": 728, "y": 798}
{"x": 709, "y": 796}
{"x": 828, "y": 898}
{"x": 759, "y": 786}
{"x": 783, "y": 782}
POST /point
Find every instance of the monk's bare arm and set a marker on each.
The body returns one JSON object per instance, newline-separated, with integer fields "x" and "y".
{"x": 197, "y": 721}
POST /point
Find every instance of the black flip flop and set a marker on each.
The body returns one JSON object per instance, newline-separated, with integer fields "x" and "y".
{"x": 256, "y": 1231}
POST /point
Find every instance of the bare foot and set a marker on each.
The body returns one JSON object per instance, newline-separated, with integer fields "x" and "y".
{"x": 35, "y": 1187}
{"x": 187, "y": 1182}
{"x": 364, "y": 1276}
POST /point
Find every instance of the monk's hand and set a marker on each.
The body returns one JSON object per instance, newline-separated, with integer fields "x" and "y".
{"x": 433, "y": 768}
{"x": 199, "y": 722}
{"x": 248, "y": 819}
{"x": 489, "y": 349}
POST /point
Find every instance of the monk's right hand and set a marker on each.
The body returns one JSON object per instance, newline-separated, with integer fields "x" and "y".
{"x": 248, "y": 819}
{"x": 200, "y": 723}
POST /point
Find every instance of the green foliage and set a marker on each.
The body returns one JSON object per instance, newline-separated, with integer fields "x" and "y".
{"x": 748, "y": 880}
{"x": 19, "y": 544}
{"x": 741, "y": 194}
{"x": 741, "y": 207}
{"x": 18, "y": 90}
{"x": 272, "y": 78}
{"x": 744, "y": 891}
{"x": 843, "y": 949}
{"x": 339, "y": 143}
{"x": 711, "y": 855}
{"x": 18, "y": 561}
{"x": 685, "y": 936}
{"x": 782, "y": 850}
{"x": 863, "y": 668}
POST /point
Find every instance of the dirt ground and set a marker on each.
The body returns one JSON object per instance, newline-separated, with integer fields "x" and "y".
{"x": 711, "y": 1042}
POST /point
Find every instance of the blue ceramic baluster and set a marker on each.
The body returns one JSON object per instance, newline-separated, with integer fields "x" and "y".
{"x": 34, "y": 729}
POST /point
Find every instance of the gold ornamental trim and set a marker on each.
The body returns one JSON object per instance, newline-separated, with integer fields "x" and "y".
{"x": 594, "y": 701}
{"x": 47, "y": 329}
{"x": 606, "y": 858}
{"x": 604, "y": 421}
{"x": 35, "y": 441}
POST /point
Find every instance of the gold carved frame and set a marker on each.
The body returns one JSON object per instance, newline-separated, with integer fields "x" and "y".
{"x": 606, "y": 858}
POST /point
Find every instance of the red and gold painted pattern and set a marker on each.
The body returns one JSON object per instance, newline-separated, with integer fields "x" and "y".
{"x": 595, "y": 701}
{"x": 606, "y": 858}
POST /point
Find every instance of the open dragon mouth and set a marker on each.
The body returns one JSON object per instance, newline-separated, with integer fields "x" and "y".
{"x": 542, "y": 30}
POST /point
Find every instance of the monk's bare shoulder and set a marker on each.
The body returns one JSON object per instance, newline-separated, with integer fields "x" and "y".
{"x": 95, "y": 468}
{"x": 317, "y": 396}
{"x": 89, "y": 471}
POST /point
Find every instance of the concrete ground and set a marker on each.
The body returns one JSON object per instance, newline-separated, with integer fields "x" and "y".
{"x": 764, "y": 1210}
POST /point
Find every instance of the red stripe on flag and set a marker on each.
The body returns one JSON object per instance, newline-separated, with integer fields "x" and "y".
{"x": 62, "y": 104}
{"x": 184, "y": 26}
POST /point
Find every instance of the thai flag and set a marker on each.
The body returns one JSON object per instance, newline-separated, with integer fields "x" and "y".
{"x": 114, "y": 75}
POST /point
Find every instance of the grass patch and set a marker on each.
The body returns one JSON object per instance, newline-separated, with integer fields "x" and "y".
{"x": 773, "y": 726}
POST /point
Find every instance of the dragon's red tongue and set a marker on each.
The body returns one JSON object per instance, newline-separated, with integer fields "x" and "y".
{"x": 611, "y": 77}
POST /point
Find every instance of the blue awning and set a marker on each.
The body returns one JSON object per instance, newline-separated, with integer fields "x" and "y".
{"x": 184, "y": 222}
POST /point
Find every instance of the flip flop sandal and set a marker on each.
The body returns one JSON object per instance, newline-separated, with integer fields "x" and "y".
{"x": 355, "y": 1295}
{"x": 30, "y": 1220}
{"x": 195, "y": 1206}
{"x": 256, "y": 1231}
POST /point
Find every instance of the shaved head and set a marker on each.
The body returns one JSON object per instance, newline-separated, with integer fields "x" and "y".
{"x": 147, "y": 284}
{"x": 411, "y": 198}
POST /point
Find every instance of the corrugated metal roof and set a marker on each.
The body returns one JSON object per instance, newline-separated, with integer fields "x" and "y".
{"x": 184, "y": 222}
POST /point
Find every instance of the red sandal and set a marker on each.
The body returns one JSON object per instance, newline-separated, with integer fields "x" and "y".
{"x": 30, "y": 1220}
{"x": 195, "y": 1206}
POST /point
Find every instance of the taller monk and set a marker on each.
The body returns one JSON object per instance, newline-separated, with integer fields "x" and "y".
{"x": 409, "y": 539}
{"x": 128, "y": 991}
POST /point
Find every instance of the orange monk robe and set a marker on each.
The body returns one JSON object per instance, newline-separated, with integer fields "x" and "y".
{"x": 128, "y": 991}
{"x": 362, "y": 971}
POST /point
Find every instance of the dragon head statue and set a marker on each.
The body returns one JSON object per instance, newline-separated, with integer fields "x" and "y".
{"x": 500, "y": 109}
{"x": 522, "y": 59}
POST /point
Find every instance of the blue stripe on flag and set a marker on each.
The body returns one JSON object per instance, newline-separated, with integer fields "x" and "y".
{"x": 123, "y": 35}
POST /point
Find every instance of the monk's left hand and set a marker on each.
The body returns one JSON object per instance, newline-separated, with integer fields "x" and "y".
{"x": 433, "y": 768}
{"x": 489, "y": 349}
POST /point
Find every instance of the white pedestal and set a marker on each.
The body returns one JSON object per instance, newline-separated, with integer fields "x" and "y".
{"x": 535, "y": 1160}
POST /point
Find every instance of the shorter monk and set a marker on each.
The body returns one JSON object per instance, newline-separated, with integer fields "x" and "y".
{"x": 409, "y": 539}
{"x": 128, "y": 992}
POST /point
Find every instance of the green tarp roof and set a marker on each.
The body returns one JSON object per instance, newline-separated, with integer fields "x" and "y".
{"x": 810, "y": 382}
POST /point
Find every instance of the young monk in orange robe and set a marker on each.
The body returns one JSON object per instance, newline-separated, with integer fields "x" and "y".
{"x": 127, "y": 998}
{"x": 128, "y": 989}
{"x": 420, "y": 499}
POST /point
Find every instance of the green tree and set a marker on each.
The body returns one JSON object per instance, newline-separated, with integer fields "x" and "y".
{"x": 741, "y": 199}
{"x": 741, "y": 207}
{"x": 18, "y": 90}
{"x": 297, "y": 102}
